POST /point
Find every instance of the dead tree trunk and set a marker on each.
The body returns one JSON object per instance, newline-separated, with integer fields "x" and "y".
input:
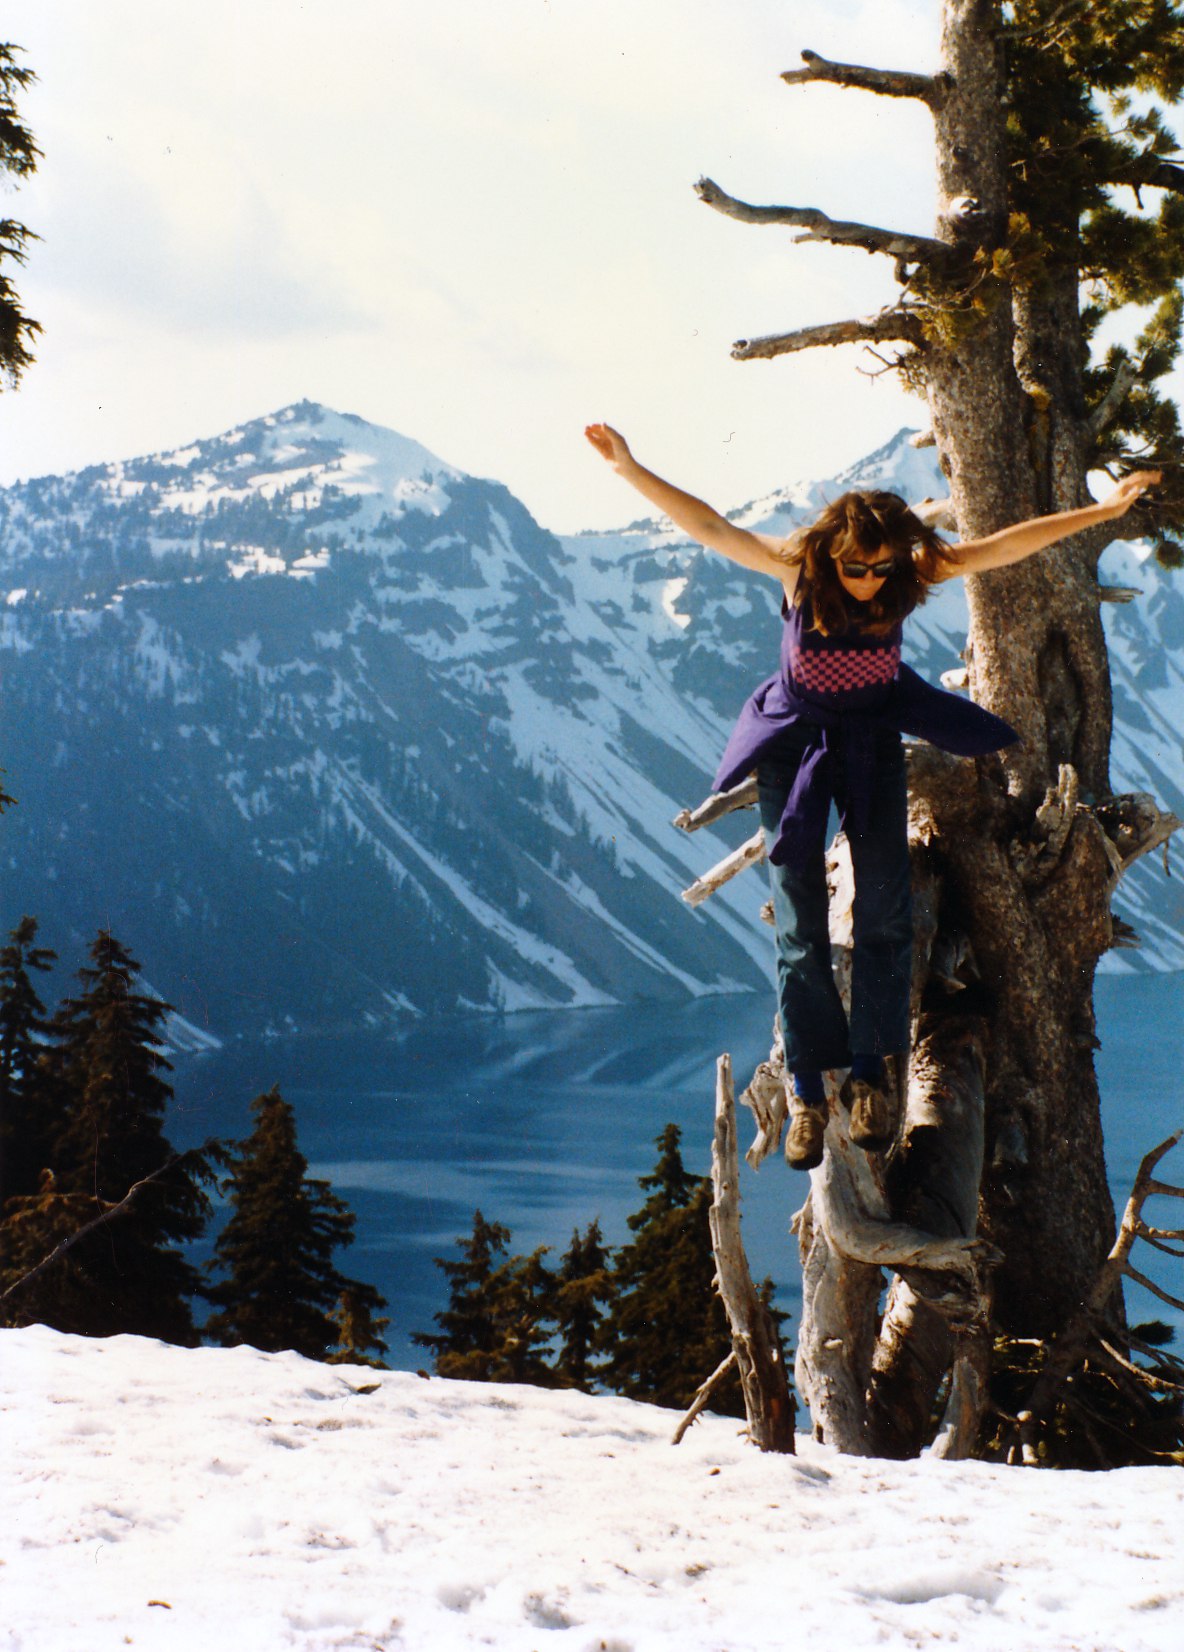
{"x": 768, "y": 1403}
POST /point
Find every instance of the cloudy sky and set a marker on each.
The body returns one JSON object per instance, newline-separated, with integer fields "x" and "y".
{"x": 473, "y": 223}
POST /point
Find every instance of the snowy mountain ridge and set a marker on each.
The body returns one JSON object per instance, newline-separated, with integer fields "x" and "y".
{"x": 386, "y": 746}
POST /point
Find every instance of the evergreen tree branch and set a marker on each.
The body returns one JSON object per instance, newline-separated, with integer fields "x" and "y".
{"x": 913, "y": 249}
{"x": 1149, "y": 171}
{"x": 892, "y": 83}
{"x": 891, "y": 324}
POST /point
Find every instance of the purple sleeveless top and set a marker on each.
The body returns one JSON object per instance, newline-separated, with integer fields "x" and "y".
{"x": 856, "y": 684}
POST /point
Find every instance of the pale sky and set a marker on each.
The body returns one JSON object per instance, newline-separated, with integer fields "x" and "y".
{"x": 471, "y": 222}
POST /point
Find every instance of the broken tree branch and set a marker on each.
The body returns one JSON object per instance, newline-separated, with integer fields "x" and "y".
{"x": 1134, "y": 824}
{"x": 914, "y": 249}
{"x": 702, "y": 1394}
{"x": 890, "y": 324}
{"x": 750, "y": 853}
{"x": 717, "y": 805}
{"x": 890, "y": 83}
{"x": 108, "y": 1214}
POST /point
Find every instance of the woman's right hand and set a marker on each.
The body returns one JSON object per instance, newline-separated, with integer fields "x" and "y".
{"x": 609, "y": 443}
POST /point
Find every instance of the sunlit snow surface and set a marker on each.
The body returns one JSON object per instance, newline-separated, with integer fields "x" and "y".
{"x": 189, "y": 1500}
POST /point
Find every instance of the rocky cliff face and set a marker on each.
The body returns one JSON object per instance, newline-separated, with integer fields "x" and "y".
{"x": 328, "y": 731}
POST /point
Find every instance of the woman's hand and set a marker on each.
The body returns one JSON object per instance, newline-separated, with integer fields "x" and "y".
{"x": 760, "y": 551}
{"x": 609, "y": 443}
{"x": 1130, "y": 489}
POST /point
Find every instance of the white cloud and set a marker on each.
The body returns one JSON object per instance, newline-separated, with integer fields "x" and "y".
{"x": 473, "y": 223}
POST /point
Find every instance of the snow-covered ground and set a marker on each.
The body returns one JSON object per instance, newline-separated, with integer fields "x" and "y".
{"x": 232, "y": 1501}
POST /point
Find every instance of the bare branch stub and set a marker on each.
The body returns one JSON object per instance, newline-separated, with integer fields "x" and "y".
{"x": 915, "y": 249}
{"x": 893, "y": 324}
{"x": 750, "y": 853}
{"x": 743, "y": 796}
{"x": 890, "y": 83}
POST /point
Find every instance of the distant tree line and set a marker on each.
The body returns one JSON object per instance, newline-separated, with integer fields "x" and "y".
{"x": 644, "y": 1321}
{"x": 95, "y": 1206}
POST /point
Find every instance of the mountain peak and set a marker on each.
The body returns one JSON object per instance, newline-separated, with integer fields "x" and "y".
{"x": 304, "y": 447}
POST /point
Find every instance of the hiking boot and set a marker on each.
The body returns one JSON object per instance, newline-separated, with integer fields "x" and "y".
{"x": 803, "y": 1140}
{"x": 873, "y": 1116}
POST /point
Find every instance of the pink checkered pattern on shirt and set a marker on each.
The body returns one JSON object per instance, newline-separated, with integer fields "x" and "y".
{"x": 839, "y": 671}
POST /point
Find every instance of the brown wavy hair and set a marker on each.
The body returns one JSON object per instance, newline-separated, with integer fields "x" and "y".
{"x": 866, "y": 525}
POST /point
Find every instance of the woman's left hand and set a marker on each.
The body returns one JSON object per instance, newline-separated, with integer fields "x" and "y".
{"x": 1131, "y": 487}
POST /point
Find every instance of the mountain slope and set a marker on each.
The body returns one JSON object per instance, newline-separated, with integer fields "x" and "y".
{"x": 328, "y": 731}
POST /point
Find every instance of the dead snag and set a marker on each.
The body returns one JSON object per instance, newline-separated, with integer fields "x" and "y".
{"x": 768, "y": 1403}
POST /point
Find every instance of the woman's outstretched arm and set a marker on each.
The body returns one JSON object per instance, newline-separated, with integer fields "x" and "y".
{"x": 998, "y": 550}
{"x": 759, "y": 551}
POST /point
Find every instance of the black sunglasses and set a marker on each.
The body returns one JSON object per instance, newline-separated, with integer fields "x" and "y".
{"x": 860, "y": 570}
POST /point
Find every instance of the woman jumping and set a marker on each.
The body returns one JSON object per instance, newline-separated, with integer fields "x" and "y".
{"x": 828, "y": 726}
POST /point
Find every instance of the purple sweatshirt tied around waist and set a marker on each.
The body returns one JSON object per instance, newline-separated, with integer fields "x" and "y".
{"x": 829, "y": 684}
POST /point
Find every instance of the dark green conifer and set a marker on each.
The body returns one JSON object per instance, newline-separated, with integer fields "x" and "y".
{"x": 280, "y": 1288}
{"x": 667, "y": 1330}
{"x": 583, "y": 1289}
{"x": 18, "y": 158}
{"x": 359, "y": 1329}
{"x": 26, "y": 1127}
{"x": 127, "y": 1276}
{"x": 500, "y": 1316}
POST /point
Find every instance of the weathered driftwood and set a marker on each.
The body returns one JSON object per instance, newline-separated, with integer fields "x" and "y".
{"x": 750, "y": 853}
{"x": 768, "y": 1403}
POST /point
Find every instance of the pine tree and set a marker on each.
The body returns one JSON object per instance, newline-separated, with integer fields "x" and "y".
{"x": 358, "y": 1328}
{"x": 667, "y": 1330}
{"x": 500, "y": 1315}
{"x": 281, "y": 1289}
{"x": 25, "y": 1125}
{"x": 584, "y": 1288}
{"x": 127, "y": 1276}
{"x": 468, "y": 1326}
{"x": 18, "y": 158}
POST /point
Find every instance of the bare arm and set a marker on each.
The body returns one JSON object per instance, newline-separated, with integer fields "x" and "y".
{"x": 762, "y": 552}
{"x": 999, "y": 550}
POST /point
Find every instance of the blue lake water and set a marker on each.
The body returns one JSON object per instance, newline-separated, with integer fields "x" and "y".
{"x": 545, "y": 1121}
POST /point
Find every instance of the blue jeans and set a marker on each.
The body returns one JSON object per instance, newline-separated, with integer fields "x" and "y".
{"x": 813, "y": 1023}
